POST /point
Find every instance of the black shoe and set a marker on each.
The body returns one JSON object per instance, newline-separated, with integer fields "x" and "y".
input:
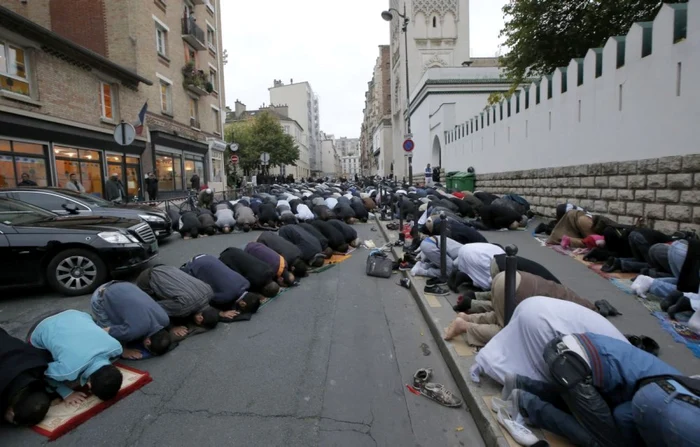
{"x": 606, "y": 309}
{"x": 682, "y": 305}
{"x": 670, "y": 300}
{"x": 611, "y": 265}
{"x": 436, "y": 282}
{"x": 541, "y": 228}
{"x": 436, "y": 290}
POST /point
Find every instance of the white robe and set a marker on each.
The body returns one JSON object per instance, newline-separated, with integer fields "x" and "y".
{"x": 475, "y": 260}
{"x": 519, "y": 346}
{"x": 304, "y": 213}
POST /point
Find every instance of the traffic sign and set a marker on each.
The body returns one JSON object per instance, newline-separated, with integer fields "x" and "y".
{"x": 233, "y": 147}
{"x": 234, "y": 159}
{"x": 409, "y": 145}
{"x": 124, "y": 134}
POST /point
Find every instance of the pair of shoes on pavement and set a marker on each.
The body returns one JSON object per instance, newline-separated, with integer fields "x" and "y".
{"x": 436, "y": 282}
{"x": 436, "y": 290}
{"x": 434, "y": 391}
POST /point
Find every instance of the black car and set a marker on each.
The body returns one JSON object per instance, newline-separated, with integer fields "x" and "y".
{"x": 65, "y": 201}
{"x": 73, "y": 254}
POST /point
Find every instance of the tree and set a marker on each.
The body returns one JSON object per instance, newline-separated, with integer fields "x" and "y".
{"x": 543, "y": 35}
{"x": 262, "y": 133}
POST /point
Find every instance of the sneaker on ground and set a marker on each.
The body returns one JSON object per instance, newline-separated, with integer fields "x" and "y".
{"x": 405, "y": 266}
{"x": 436, "y": 290}
{"x": 520, "y": 433}
{"x": 436, "y": 282}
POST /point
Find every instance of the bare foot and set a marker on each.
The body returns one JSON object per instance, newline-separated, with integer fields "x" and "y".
{"x": 457, "y": 327}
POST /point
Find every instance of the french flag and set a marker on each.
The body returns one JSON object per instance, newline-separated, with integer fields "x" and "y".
{"x": 138, "y": 125}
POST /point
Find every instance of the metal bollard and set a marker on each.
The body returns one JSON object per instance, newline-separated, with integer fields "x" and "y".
{"x": 443, "y": 246}
{"x": 511, "y": 269}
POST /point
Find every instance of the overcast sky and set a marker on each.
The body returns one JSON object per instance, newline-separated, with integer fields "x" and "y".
{"x": 332, "y": 47}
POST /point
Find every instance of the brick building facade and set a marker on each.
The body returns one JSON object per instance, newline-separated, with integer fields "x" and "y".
{"x": 129, "y": 53}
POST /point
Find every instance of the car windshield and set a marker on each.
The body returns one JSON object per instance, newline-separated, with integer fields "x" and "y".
{"x": 89, "y": 199}
{"x": 14, "y": 212}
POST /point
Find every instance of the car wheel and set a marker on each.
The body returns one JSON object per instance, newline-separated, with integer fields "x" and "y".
{"x": 76, "y": 272}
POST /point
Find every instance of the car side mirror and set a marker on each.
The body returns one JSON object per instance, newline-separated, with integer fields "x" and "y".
{"x": 70, "y": 207}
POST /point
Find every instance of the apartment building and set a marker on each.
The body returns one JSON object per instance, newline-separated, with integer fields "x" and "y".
{"x": 303, "y": 107}
{"x": 330, "y": 160}
{"x": 105, "y": 65}
{"x": 59, "y": 104}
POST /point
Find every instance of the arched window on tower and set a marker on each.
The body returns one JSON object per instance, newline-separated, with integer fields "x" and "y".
{"x": 434, "y": 22}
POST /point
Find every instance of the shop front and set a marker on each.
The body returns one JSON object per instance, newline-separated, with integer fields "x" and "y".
{"x": 49, "y": 153}
{"x": 176, "y": 161}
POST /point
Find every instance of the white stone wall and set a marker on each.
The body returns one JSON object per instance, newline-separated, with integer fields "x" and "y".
{"x": 636, "y": 111}
{"x": 622, "y": 144}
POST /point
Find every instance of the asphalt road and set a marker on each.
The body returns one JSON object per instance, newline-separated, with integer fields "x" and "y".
{"x": 325, "y": 364}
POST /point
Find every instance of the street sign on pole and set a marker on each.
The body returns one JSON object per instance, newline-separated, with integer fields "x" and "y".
{"x": 265, "y": 158}
{"x": 233, "y": 147}
{"x": 234, "y": 159}
{"x": 124, "y": 134}
{"x": 408, "y": 145}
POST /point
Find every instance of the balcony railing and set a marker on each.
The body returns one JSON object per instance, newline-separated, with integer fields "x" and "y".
{"x": 193, "y": 34}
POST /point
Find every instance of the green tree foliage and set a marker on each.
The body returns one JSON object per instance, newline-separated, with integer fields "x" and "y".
{"x": 543, "y": 35}
{"x": 261, "y": 134}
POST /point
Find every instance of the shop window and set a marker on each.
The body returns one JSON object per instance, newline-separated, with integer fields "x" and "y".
{"x": 13, "y": 69}
{"x": 169, "y": 172}
{"x": 85, "y": 164}
{"x": 106, "y": 101}
{"x": 18, "y": 158}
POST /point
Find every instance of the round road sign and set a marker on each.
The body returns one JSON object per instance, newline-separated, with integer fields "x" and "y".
{"x": 234, "y": 159}
{"x": 409, "y": 145}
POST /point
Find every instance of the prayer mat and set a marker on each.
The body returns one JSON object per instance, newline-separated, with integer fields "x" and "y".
{"x": 63, "y": 418}
{"x": 265, "y": 301}
{"x": 322, "y": 268}
{"x": 350, "y": 250}
{"x": 336, "y": 259}
{"x": 678, "y": 329}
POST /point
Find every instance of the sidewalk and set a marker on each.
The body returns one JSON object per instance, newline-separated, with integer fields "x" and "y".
{"x": 438, "y": 313}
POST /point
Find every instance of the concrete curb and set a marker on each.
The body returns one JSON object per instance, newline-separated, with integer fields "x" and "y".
{"x": 473, "y": 393}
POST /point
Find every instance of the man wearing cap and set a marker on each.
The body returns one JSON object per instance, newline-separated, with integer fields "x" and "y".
{"x": 114, "y": 189}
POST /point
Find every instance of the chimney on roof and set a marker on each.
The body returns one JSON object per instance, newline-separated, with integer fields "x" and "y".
{"x": 239, "y": 109}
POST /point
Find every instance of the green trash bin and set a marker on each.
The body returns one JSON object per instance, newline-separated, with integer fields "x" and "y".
{"x": 463, "y": 181}
{"x": 449, "y": 181}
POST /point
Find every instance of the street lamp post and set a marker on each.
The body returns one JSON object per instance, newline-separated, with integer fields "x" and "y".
{"x": 388, "y": 16}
